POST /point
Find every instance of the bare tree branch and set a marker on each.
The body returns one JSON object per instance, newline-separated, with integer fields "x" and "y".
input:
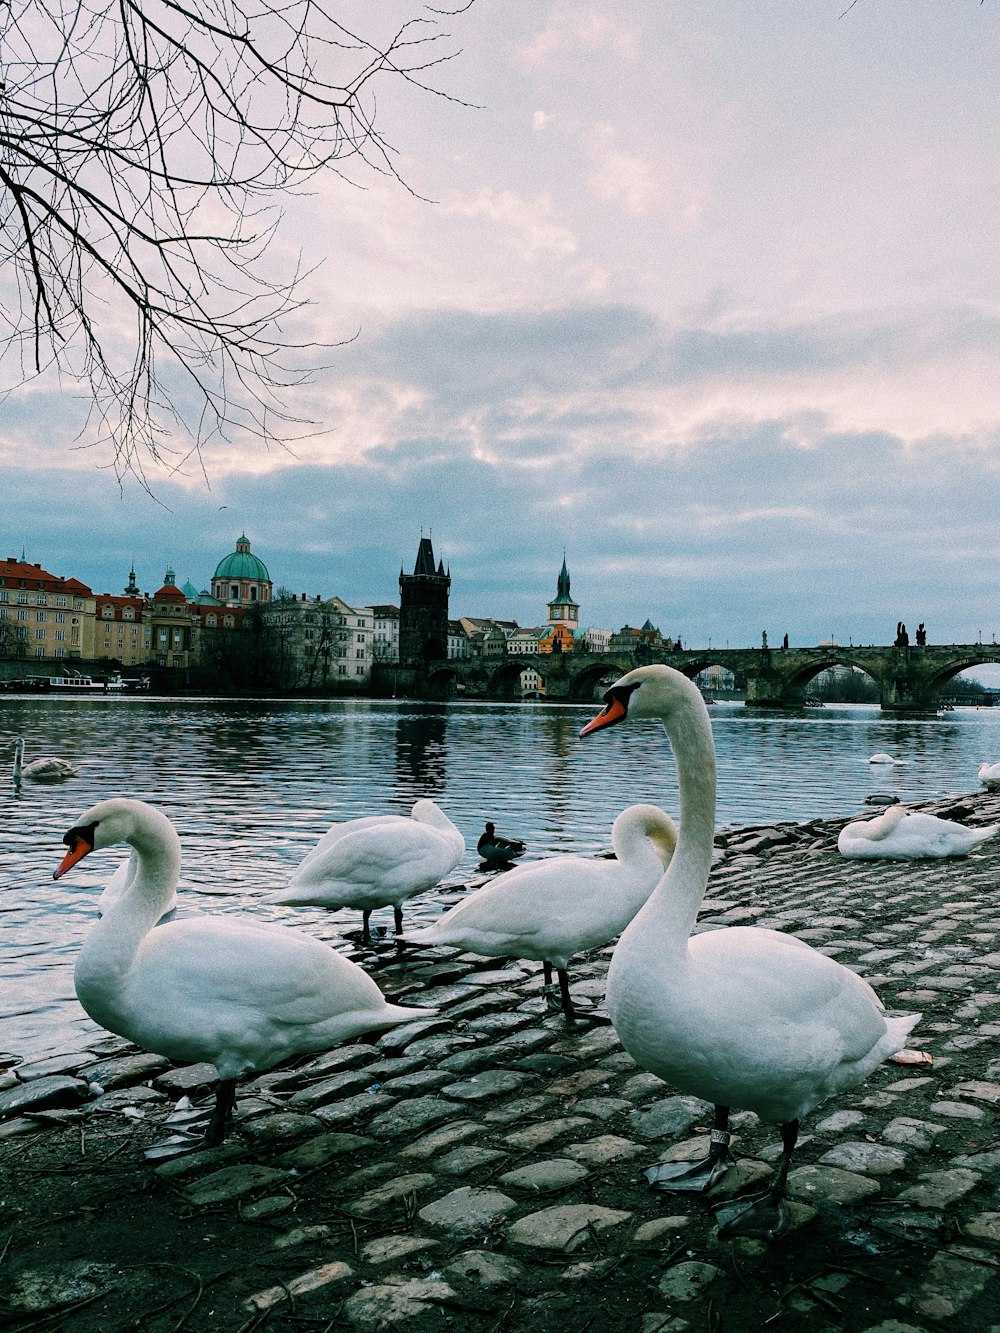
{"x": 145, "y": 146}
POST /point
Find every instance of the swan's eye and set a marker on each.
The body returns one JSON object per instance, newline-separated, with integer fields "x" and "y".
{"x": 620, "y": 694}
{"x": 615, "y": 709}
{"x": 84, "y": 833}
{"x": 80, "y": 842}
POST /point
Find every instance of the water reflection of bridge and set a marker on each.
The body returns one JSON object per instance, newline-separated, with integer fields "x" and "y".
{"x": 909, "y": 679}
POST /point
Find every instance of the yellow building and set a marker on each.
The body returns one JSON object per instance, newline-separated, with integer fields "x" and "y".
{"x": 123, "y": 632}
{"x": 42, "y": 615}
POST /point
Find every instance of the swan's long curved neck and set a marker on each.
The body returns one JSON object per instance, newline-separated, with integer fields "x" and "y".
{"x": 668, "y": 917}
{"x": 150, "y": 887}
{"x": 643, "y": 836}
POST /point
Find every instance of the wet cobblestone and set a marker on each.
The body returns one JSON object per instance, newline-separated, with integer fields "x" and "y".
{"x": 480, "y": 1170}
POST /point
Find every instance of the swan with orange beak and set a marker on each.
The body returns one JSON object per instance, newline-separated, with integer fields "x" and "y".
{"x": 742, "y": 1017}
{"x": 237, "y": 994}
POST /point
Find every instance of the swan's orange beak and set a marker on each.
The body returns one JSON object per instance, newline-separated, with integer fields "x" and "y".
{"x": 79, "y": 847}
{"x": 614, "y": 711}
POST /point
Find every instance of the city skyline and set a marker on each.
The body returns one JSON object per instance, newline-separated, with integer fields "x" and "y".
{"x": 704, "y": 298}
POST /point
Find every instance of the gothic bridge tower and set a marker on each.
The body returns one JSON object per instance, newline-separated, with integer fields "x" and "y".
{"x": 423, "y": 609}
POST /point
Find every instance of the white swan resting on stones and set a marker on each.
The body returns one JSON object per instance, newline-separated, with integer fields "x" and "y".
{"x": 553, "y": 908}
{"x": 240, "y": 995}
{"x": 989, "y": 776}
{"x": 374, "y": 861}
{"x": 45, "y": 769}
{"x": 904, "y": 835}
{"x": 741, "y": 1016}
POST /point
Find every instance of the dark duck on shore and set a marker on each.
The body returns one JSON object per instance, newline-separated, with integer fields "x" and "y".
{"x": 496, "y": 851}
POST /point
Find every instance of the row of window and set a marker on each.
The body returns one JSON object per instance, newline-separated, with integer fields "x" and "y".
{"x": 39, "y": 599}
{"x": 40, "y": 616}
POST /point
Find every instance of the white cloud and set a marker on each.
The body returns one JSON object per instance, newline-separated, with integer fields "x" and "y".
{"x": 530, "y": 222}
{"x": 574, "y": 28}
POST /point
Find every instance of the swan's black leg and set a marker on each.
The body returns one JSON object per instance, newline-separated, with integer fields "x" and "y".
{"x": 397, "y": 918}
{"x": 762, "y": 1216}
{"x": 568, "y": 1007}
{"x": 551, "y": 999}
{"x": 696, "y": 1176}
{"x": 225, "y": 1100}
{"x": 366, "y": 934}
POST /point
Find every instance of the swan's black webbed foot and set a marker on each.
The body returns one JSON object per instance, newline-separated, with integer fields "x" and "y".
{"x": 696, "y": 1177}
{"x": 593, "y": 1016}
{"x": 684, "y": 1177}
{"x": 177, "y": 1144}
{"x": 759, "y": 1216}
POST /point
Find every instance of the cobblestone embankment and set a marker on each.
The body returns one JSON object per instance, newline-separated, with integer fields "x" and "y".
{"x": 479, "y": 1170}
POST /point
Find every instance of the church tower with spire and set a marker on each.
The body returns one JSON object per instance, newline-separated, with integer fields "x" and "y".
{"x": 562, "y": 609}
{"x": 423, "y": 609}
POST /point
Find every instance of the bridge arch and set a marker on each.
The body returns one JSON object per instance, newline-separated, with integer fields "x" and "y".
{"x": 799, "y": 680}
{"x": 505, "y": 677}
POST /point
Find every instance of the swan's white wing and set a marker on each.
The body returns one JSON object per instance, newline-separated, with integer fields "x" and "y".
{"x": 337, "y": 831}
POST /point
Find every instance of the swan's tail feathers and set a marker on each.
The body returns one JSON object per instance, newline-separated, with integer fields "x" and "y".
{"x": 423, "y": 938}
{"x": 897, "y": 1031}
{"x": 396, "y": 1014}
{"x": 299, "y": 897}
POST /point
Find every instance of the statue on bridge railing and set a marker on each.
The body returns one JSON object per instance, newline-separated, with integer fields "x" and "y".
{"x": 921, "y": 636}
{"x": 902, "y": 639}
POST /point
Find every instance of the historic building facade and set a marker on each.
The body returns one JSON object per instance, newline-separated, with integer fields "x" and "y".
{"x": 423, "y": 609}
{"x": 241, "y": 578}
{"x": 314, "y": 643}
{"x": 43, "y": 615}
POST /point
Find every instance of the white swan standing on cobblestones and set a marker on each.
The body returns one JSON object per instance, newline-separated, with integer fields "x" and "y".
{"x": 743, "y": 1017}
{"x": 904, "y": 835}
{"x": 562, "y": 905}
{"x": 374, "y": 861}
{"x": 239, "y": 995}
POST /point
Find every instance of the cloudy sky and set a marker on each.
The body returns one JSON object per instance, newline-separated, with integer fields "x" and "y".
{"x": 705, "y": 296}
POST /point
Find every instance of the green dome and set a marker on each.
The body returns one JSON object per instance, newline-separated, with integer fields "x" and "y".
{"x": 241, "y": 564}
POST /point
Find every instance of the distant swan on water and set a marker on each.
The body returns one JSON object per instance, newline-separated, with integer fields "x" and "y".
{"x": 46, "y": 769}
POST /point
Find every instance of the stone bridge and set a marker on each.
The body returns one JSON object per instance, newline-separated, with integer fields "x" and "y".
{"x": 909, "y": 679}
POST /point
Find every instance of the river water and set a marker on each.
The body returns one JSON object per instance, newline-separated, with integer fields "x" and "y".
{"x": 251, "y": 785}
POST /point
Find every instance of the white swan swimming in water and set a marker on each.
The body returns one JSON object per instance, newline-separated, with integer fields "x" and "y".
{"x": 550, "y": 909}
{"x": 904, "y": 835}
{"x": 46, "y": 769}
{"x": 883, "y": 758}
{"x": 741, "y": 1016}
{"x": 374, "y": 861}
{"x": 989, "y": 776}
{"x": 237, "y": 994}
